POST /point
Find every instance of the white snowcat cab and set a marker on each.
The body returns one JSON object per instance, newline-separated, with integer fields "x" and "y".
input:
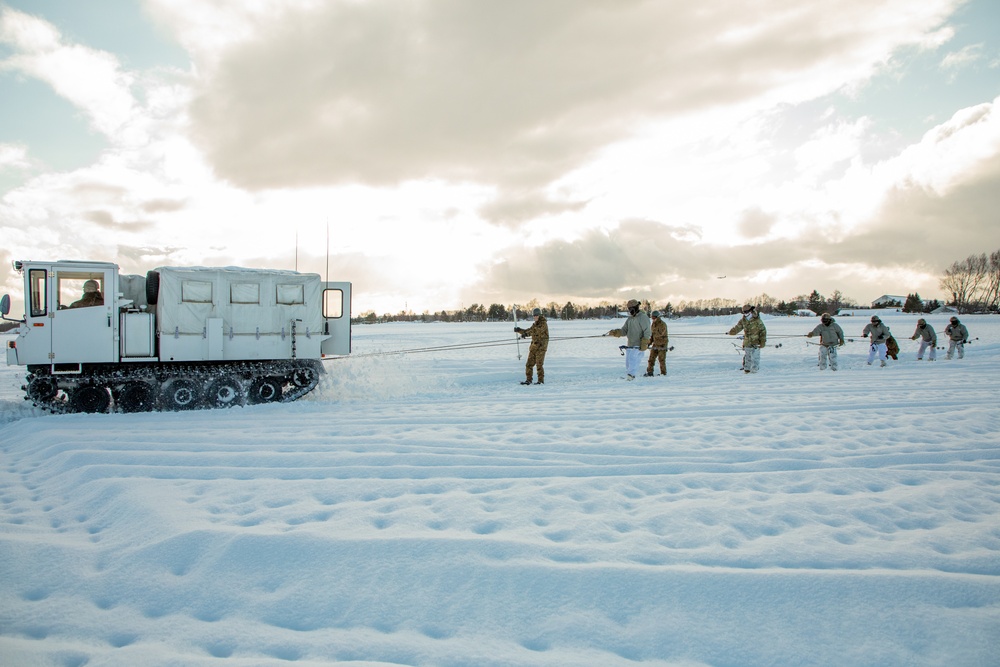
{"x": 95, "y": 340}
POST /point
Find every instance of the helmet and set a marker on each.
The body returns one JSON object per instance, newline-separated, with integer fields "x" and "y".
{"x": 954, "y": 320}
{"x": 632, "y": 303}
{"x": 91, "y": 286}
{"x": 535, "y": 312}
{"x": 656, "y": 313}
{"x": 875, "y": 319}
{"x": 748, "y": 308}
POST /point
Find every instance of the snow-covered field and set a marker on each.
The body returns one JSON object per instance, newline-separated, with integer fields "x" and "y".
{"x": 426, "y": 509}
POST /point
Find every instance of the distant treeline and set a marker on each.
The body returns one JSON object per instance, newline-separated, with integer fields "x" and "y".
{"x": 496, "y": 312}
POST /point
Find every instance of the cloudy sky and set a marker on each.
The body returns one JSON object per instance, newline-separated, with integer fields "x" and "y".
{"x": 476, "y": 151}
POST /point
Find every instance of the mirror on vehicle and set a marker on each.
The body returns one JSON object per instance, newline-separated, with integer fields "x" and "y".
{"x": 5, "y": 304}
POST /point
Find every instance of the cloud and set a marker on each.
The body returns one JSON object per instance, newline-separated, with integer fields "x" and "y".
{"x": 514, "y": 94}
{"x": 90, "y": 79}
{"x": 755, "y": 223}
{"x": 475, "y": 151}
{"x": 107, "y": 221}
{"x": 163, "y": 205}
{"x": 519, "y": 207}
{"x": 936, "y": 202}
{"x": 919, "y": 226}
{"x": 14, "y": 157}
{"x": 963, "y": 57}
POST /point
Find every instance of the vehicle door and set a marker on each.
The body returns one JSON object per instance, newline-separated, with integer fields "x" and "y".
{"x": 83, "y": 321}
{"x": 336, "y": 319}
{"x": 35, "y": 346}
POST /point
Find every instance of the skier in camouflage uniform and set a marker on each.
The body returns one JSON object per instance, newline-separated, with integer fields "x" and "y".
{"x": 754, "y": 337}
{"x": 539, "y": 333}
{"x": 831, "y": 336}
{"x": 658, "y": 345}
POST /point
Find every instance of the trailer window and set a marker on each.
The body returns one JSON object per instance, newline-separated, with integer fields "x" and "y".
{"x": 291, "y": 295}
{"x": 196, "y": 291}
{"x": 39, "y": 295}
{"x": 333, "y": 303}
{"x": 79, "y": 289}
{"x": 244, "y": 293}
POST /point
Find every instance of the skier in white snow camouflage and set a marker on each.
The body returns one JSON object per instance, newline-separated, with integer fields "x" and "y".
{"x": 879, "y": 334}
{"x": 638, "y": 331}
{"x": 958, "y": 336}
{"x": 928, "y": 337}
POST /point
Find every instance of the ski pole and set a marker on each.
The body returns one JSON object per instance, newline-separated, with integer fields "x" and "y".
{"x": 517, "y": 336}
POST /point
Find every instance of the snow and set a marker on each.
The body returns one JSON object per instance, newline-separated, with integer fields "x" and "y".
{"x": 426, "y": 509}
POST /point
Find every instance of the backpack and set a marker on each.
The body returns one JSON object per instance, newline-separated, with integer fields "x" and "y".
{"x": 892, "y": 347}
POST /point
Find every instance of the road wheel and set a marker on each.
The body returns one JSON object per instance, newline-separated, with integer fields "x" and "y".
{"x": 42, "y": 388}
{"x": 304, "y": 377}
{"x": 225, "y": 392}
{"x": 137, "y": 396}
{"x": 181, "y": 394}
{"x": 264, "y": 390}
{"x": 90, "y": 398}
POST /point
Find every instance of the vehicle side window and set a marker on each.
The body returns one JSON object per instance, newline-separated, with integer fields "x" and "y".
{"x": 79, "y": 289}
{"x": 246, "y": 293}
{"x": 291, "y": 295}
{"x": 196, "y": 291}
{"x": 333, "y": 303}
{"x": 39, "y": 295}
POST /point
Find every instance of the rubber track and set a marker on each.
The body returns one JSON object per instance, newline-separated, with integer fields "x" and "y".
{"x": 114, "y": 376}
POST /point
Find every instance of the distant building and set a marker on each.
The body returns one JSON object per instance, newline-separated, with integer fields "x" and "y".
{"x": 944, "y": 309}
{"x": 888, "y": 300}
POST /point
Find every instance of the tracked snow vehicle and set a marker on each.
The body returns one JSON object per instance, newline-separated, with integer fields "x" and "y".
{"x": 94, "y": 340}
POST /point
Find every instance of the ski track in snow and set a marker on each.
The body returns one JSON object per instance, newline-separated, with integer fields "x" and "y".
{"x": 426, "y": 509}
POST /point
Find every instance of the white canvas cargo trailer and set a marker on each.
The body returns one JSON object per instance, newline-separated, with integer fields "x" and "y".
{"x": 178, "y": 337}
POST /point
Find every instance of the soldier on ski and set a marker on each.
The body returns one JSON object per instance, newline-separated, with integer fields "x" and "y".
{"x": 754, "y": 337}
{"x": 879, "y": 334}
{"x": 928, "y": 337}
{"x": 831, "y": 336}
{"x": 637, "y": 330}
{"x": 539, "y": 333}
{"x": 958, "y": 336}
{"x": 658, "y": 345}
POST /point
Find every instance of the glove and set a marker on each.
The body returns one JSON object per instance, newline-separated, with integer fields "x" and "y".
{"x": 617, "y": 333}
{"x": 644, "y": 344}
{"x": 518, "y": 330}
